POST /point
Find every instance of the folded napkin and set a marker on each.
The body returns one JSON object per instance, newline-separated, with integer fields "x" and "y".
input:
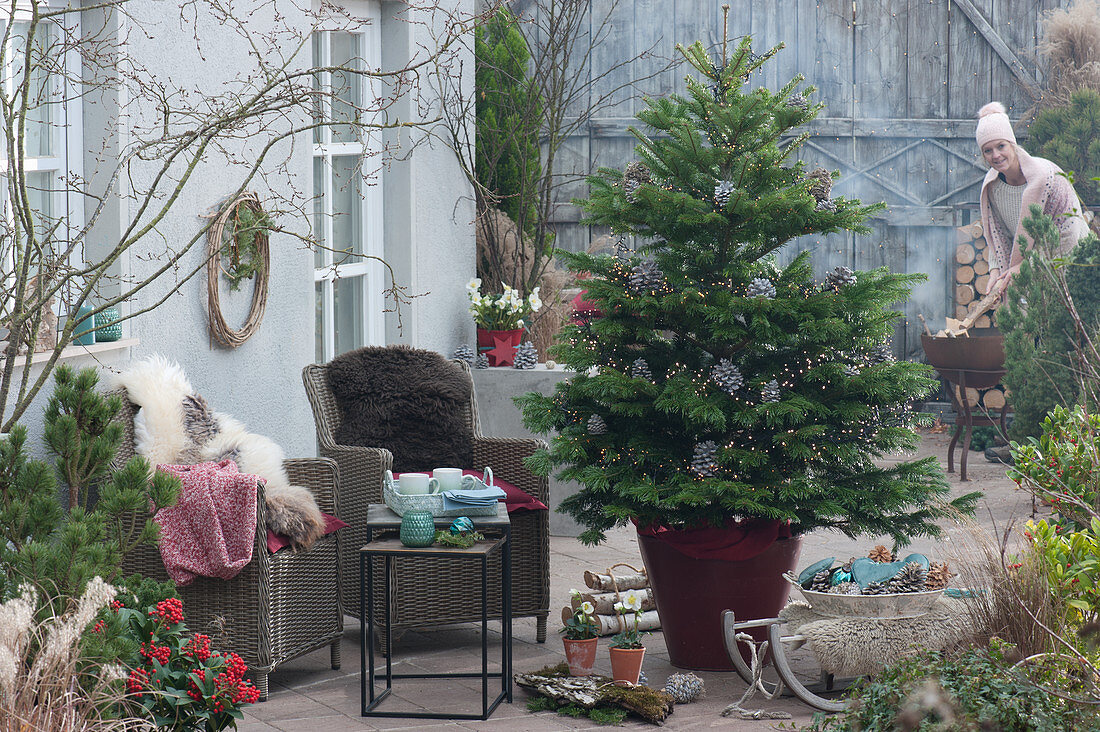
{"x": 457, "y": 500}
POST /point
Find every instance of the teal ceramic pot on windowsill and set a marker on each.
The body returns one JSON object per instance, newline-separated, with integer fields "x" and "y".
{"x": 84, "y": 330}
{"x": 108, "y": 329}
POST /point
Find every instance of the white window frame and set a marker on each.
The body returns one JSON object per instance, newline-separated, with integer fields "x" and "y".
{"x": 370, "y": 201}
{"x": 66, "y": 160}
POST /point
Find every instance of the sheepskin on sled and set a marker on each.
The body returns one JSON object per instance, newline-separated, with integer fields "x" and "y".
{"x": 175, "y": 426}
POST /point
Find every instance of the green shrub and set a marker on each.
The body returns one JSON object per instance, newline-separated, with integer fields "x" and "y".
{"x": 1062, "y": 466}
{"x": 1070, "y": 137}
{"x": 975, "y": 690}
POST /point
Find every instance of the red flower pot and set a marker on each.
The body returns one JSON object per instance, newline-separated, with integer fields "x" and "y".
{"x": 499, "y": 345}
{"x": 692, "y": 593}
{"x": 626, "y": 664}
{"x": 580, "y": 655}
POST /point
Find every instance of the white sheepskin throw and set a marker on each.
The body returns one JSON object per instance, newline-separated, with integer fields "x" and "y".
{"x": 175, "y": 426}
{"x": 858, "y": 647}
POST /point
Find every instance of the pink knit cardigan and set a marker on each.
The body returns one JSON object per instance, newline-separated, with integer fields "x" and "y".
{"x": 1053, "y": 192}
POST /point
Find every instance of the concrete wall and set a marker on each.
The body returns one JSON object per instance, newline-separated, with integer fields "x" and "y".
{"x": 429, "y": 231}
{"x": 500, "y": 417}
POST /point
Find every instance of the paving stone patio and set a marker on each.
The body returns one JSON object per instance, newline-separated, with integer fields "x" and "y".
{"x": 306, "y": 695}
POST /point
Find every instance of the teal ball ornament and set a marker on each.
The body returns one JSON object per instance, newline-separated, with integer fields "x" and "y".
{"x": 418, "y": 528}
{"x": 461, "y": 525}
{"x": 840, "y": 576}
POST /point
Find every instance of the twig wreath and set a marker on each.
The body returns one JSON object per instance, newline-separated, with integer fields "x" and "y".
{"x": 240, "y": 233}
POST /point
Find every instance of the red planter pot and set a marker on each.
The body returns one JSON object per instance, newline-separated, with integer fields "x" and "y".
{"x": 580, "y": 655}
{"x": 626, "y": 664}
{"x": 692, "y": 593}
{"x": 499, "y": 345}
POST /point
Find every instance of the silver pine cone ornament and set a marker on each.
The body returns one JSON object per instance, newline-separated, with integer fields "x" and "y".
{"x": 482, "y": 361}
{"x": 640, "y": 370}
{"x": 840, "y": 277}
{"x": 635, "y": 175}
{"x": 722, "y": 192}
{"x": 684, "y": 688}
{"x": 596, "y": 425}
{"x": 527, "y": 356}
{"x": 647, "y": 276}
{"x": 822, "y": 581}
{"x": 827, "y": 204}
{"x": 877, "y": 588}
{"x": 465, "y": 353}
{"x": 761, "y": 287}
{"x": 846, "y": 588}
{"x": 799, "y": 102}
{"x": 882, "y": 353}
{"x": 727, "y": 376}
{"x": 704, "y": 459}
{"x": 770, "y": 392}
{"x": 910, "y": 579}
{"x": 821, "y": 183}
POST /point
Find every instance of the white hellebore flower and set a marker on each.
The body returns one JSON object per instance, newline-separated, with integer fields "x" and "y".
{"x": 473, "y": 286}
{"x": 502, "y": 303}
{"x": 632, "y": 601}
{"x": 574, "y": 593}
{"x": 619, "y": 608}
{"x": 588, "y": 608}
{"x": 534, "y": 300}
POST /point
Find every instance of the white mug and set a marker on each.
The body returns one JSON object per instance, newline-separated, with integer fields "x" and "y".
{"x": 415, "y": 484}
{"x": 447, "y": 479}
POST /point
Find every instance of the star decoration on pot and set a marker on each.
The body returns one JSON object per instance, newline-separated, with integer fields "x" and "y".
{"x": 502, "y": 350}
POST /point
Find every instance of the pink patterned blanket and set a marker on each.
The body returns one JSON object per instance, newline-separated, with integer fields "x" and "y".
{"x": 210, "y": 532}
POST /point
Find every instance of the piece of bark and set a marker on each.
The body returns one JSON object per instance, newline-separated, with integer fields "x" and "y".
{"x": 627, "y": 581}
{"x": 964, "y": 253}
{"x": 589, "y": 691}
{"x": 964, "y": 274}
{"x": 604, "y": 602}
{"x": 964, "y": 294}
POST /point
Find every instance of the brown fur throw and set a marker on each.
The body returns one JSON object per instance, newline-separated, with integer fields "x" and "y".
{"x": 407, "y": 400}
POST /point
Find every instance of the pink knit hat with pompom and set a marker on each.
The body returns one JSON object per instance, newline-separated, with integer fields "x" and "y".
{"x": 993, "y": 124}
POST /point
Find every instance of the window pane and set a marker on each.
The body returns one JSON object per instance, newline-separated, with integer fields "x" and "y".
{"x": 347, "y": 206}
{"x": 319, "y": 176}
{"x": 319, "y": 310}
{"x": 40, "y": 196}
{"x": 318, "y": 102}
{"x": 348, "y": 316}
{"x": 344, "y": 49}
{"x": 44, "y": 95}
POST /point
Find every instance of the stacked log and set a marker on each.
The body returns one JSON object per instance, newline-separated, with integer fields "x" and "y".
{"x": 971, "y": 272}
{"x": 606, "y": 590}
{"x": 982, "y": 400}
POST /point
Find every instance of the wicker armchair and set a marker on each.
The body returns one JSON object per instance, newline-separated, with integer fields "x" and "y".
{"x": 281, "y": 605}
{"x": 418, "y": 595}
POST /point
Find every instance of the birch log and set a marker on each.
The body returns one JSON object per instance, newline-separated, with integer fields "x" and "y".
{"x": 605, "y": 602}
{"x": 630, "y": 580}
{"x": 610, "y": 625}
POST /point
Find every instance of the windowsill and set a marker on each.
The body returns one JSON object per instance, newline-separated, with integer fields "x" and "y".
{"x": 75, "y": 351}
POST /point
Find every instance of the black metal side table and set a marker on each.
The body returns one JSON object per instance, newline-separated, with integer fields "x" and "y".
{"x": 380, "y": 518}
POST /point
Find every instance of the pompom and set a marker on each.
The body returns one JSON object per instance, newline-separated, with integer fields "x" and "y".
{"x": 992, "y": 108}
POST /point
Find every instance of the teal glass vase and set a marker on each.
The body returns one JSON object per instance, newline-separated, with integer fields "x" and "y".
{"x": 84, "y": 330}
{"x": 417, "y": 528}
{"x": 107, "y": 326}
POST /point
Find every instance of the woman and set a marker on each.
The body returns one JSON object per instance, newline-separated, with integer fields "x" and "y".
{"x": 1014, "y": 182}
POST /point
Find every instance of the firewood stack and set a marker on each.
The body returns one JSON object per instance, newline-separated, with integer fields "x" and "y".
{"x": 971, "y": 272}
{"x": 605, "y": 590}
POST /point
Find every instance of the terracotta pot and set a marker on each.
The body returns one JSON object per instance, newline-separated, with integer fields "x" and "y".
{"x": 580, "y": 655}
{"x": 626, "y": 664}
{"x": 499, "y": 345}
{"x": 692, "y": 593}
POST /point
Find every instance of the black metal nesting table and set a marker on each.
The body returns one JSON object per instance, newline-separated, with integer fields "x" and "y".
{"x": 381, "y": 519}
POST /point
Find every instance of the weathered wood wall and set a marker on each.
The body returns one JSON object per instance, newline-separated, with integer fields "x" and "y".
{"x": 902, "y": 81}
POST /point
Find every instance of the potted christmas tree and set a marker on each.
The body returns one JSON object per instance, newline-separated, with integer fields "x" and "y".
{"x": 724, "y": 403}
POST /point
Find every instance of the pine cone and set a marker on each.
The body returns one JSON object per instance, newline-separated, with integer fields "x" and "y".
{"x": 761, "y": 287}
{"x": 821, "y": 183}
{"x": 640, "y": 370}
{"x": 527, "y": 356}
{"x": 596, "y": 425}
{"x": 826, "y": 204}
{"x": 799, "y": 102}
{"x": 635, "y": 175}
{"x": 684, "y": 688}
{"x": 822, "y": 581}
{"x": 465, "y": 353}
{"x": 882, "y": 353}
{"x": 840, "y": 277}
{"x": 770, "y": 392}
{"x": 646, "y": 276}
{"x": 482, "y": 361}
{"x": 881, "y": 554}
{"x": 877, "y": 588}
{"x": 727, "y": 376}
{"x": 845, "y": 588}
{"x": 938, "y": 577}
{"x": 704, "y": 459}
{"x": 722, "y": 192}
{"x": 909, "y": 579}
